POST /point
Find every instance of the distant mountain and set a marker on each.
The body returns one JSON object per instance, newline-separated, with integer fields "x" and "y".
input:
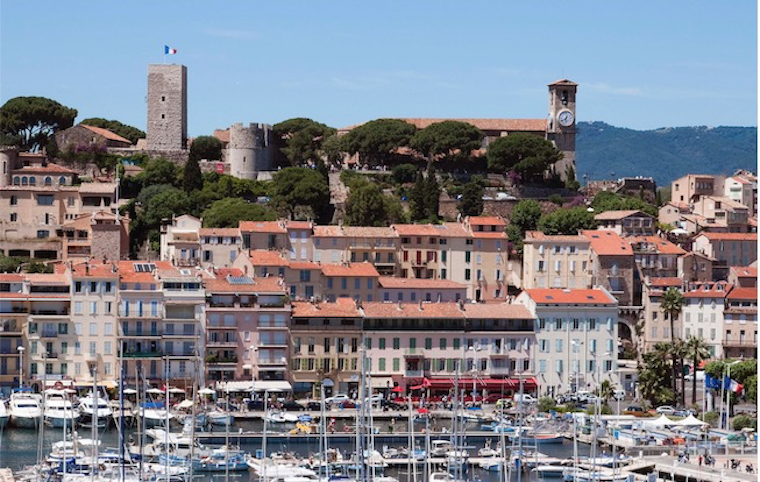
{"x": 664, "y": 154}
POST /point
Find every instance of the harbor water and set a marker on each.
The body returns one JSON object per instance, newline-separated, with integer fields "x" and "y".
{"x": 18, "y": 447}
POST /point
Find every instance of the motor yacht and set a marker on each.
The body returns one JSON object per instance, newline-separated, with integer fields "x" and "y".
{"x": 59, "y": 411}
{"x": 25, "y": 408}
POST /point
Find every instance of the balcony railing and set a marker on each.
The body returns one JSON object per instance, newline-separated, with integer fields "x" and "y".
{"x": 142, "y": 354}
{"x": 49, "y": 312}
{"x": 273, "y": 361}
{"x": 739, "y": 343}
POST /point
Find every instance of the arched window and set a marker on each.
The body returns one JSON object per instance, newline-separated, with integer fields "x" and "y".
{"x": 32, "y": 180}
{"x": 16, "y": 180}
{"x": 62, "y": 180}
{"x": 24, "y": 181}
{"x": 48, "y": 181}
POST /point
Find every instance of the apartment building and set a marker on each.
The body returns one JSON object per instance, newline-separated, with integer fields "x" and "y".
{"x": 350, "y": 280}
{"x": 301, "y": 244}
{"x": 627, "y": 223}
{"x": 576, "y": 337}
{"x": 691, "y": 187}
{"x": 264, "y": 235}
{"x": 556, "y": 261}
{"x": 655, "y": 256}
{"x": 219, "y": 247}
{"x": 743, "y": 276}
{"x": 672, "y": 213}
{"x": 94, "y": 326}
{"x": 100, "y": 235}
{"x": 413, "y": 344}
{"x": 354, "y": 244}
{"x": 304, "y": 280}
{"x": 491, "y": 256}
{"x": 702, "y": 314}
{"x": 14, "y": 311}
{"x": 740, "y": 323}
{"x": 180, "y": 241}
{"x": 656, "y": 323}
{"x": 326, "y": 347}
{"x": 694, "y": 266}
{"x": 742, "y": 188}
{"x": 613, "y": 266}
{"x": 420, "y": 245}
{"x": 720, "y": 214}
{"x": 728, "y": 249}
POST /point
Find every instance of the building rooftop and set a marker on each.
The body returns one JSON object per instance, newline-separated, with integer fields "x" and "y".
{"x": 729, "y": 236}
{"x": 106, "y": 133}
{"x": 486, "y": 221}
{"x": 709, "y": 290}
{"x": 607, "y": 243}
{"x": 393, "y": 282}
{"x": 350, "y": 270}
{"x": 570, "y": 297}
{"x": 531, "y": 236}
{"x": 265, "y": 257}
{"x": 273, "y": 227}
{"x": 340, "y": 308}
{"x": 616, "y": 215}
{"x": 743, "y": 294}
{"x": 412, "y": 310}
{"x": 661, "y": 245}
{"x": 744, "y": 271}
{"x": 233, "y": 232}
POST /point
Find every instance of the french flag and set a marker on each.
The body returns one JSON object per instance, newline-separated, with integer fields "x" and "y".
{"x": 168, "y": 51}
{"x": 733, "y": 385}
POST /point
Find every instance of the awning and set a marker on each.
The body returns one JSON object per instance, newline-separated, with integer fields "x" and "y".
{"x": 381, "y": 382}
{"x": 61, "y": 383}
{"x": 260, "y": 386}
{"x": 481, "y": 383}
{"x": 328, "y": 383}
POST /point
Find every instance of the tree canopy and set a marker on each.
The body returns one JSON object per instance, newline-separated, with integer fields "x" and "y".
{"x": 376, "y": 141}
{"x": 163, "y": 205}
{"x": 28, "y": 122}
{"x": 160, "y": 170}
{"x": 192, "y": 178}
{"x": 132, "y": 134}
{"x": 300, "y": 140}
{"x": 524, "y": 217}
{"x": 447, "y": 139}
{"x": 610, "y": 201}
{"x": 526, "y": 154}
{"x": 424, "y": 197}
{"x": 228, "y": 212}
{"x": 471, "y": 203}
{"x": 300, "y": 186}
{"x": 206, "y": 147}
{"x": 368, "y": 206}
{"x": 567, "y": 221}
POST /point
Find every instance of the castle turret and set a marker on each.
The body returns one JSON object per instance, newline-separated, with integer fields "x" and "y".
{"x": 248, "y": 151}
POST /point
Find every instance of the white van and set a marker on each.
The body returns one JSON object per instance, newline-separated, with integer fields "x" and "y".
{"x": 525, "y": 398}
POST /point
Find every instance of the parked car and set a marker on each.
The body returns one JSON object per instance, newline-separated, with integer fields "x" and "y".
{"x": 374, "y": 398}
{"x": 293, "y": 406}
{"x": 314, "y": 406}
{"x": 348, "y": 404}
{"x": 339, "y": 398}
{"x": 255, "y": 405}
{"x": 685, "y": 412}
{"x": 390, "y": 405}
{"x": 493, "y": 398}
{"x": 665, "y": 410}
{"x": 524, "y": 398}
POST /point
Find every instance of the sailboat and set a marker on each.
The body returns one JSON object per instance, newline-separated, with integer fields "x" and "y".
{"x": 4, "y": 414}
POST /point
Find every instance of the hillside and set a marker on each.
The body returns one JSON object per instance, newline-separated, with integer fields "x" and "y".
{"x": 664, "y": 154}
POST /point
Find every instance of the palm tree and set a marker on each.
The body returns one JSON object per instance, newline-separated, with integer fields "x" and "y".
{"x": 606, "y": 391}
{"x": 672, "y": 304}
{"x": 697, "y": 350}
{"x": 680, "y": 351}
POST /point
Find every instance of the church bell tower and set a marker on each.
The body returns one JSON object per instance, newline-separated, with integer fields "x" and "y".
{"x": 560, "y": 127}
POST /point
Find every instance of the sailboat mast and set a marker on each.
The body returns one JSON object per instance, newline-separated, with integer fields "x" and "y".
{"x": 166, "y": 417}
{"x": 94, "y": 420}
{"x": 121, "y": 422}
{"x": 194, "y": 414}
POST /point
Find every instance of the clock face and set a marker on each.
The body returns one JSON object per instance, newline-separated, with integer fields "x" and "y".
{"x": 566, "y": 118}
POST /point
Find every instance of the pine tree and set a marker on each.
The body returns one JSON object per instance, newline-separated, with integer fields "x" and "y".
{"x": 471, "y": 203}
{"x": 432, "y": 193}
{"x": 417, "y": 199}
{"x": 193, "y": 178}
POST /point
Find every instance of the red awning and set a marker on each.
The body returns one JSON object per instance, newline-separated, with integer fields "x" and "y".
{"x": 480, "y": 383}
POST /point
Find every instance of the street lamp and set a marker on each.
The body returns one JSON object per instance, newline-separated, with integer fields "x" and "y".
{"x": 21, "y": 366}
{"x": 576, "y": 368}
{"x": 475, "y": 349}
{"x": 252, "y": 355}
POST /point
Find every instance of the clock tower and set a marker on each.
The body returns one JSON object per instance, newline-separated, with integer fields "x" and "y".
{"x": 560, "y": 127}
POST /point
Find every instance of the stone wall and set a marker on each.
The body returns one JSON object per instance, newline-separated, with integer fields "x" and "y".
{"x": 178, "y": 156}
{"x": 167, "y": 107}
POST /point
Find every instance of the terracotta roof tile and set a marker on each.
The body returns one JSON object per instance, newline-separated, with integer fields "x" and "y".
{"x": 304, "y": 265}
{"x": 106, "y": 133}
{"x": 97, "y": 188}
{"x": 299, "y": 224}
{"x": 94, "y": 270}
{"x": 500, "y": 311}
{"x": 730, "y": 236}
{"x": 415, "y": 230}
{"x": 665, "y": 281}
{"x": 743, "y": 294}
{"x": 46, "y": 278}
{"x": 613, "y": 215}
{"x": 412, "y": 310}
{"x": 744, "y": 271}
{"x": 570, "y": 297}
{"x": 489, "y": 235}
{"x": 340, "y": 308}
{"x": 393, "y": 282}
{"x": 11, "y": 278}
{"x": 607, "y": 243}
{"x": 264, "y": 257}
{"x": 50, "y": 168}
{"x": 714, "y": 290}
{"x": 662, "y": 245}
{"x": 531, "y": 236}
{"x": 350, "y": 270}
{"x": 219, "y": 232}
{"x": 222, "y": 135}
{"x": 453, "y": 230}
{"x": 327, "y": 231}
{"x": 486, "y": 221}
{"x": 273, "y": 227}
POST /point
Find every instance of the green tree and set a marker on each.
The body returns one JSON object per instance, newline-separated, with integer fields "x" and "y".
{"x": 146, "y": 194}
{"x": 28, "y": 122}
{"x": 698, "y": 350}
{"x": 160, "y": 171}
{"x": 192, "y": 178}
{"x": 206, "y": 147}
{"x": 299, "y": 186}
{"x": 417, "y": 207}
{"x": 567, "y": 221}
{"x": 545, "y": 404}
{"x": 654, "y": 375}
{"x": 471, "y": 203}
{"x": 680, "y": 352}
{"x": 132, "y": 134}
{"x": 524, "y": 217}
{"x": 333, "y": 150}
{"x": 448, "y": 140}
{"x": 606, "y": 390}
{"x": 527, "y": 154}
{"x": 432, "y": 193}
{"x": 404, "y": 173}
{"x": 165, "y": 204}
{"x": 300, "y": 139}
{"x": 744, "y": 421}
{"x": 610, "y": 201}
{"x": 671, "y": 305}
{"x": 377, "y": 140}
{"x": 368, "y": 206}
{"x": 228, "y": 212}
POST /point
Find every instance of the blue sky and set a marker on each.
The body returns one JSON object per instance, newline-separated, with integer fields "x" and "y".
{"x": 641, "y": 65}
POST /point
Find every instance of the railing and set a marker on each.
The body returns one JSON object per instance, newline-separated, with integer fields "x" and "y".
{"x": 136, "y": 334}
{"x": 231, "y": 343}
{"x": 497, "y": 370}
{"x": 414, "y": 373}
{"x": 142, "y": 354}
{"x": 735, "y": 342}
{"x": 273, "y": 361}
{"x": 212, "y": 358}
{"x": 49, "y": 312}
{"x": 414, "y": 352}
{"x": 49, "y": 334}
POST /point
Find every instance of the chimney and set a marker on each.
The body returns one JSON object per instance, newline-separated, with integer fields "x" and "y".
{"x": 461, "y": 305}
{"x": 421, "y": 309}
{"x": 399, "y": 307}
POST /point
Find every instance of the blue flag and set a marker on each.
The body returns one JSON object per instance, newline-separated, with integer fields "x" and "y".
{"x": 713, "y": 383}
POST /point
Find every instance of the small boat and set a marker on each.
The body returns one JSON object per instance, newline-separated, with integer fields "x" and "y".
{"x": 4, "y": 414}
{"x": 571, "y": 474}
{"x": 25, "y": 408}
{"x": 276, "y": 416}
{"x": 220, "y": 418}
{"x": 539, "y": 438}
{"x": 59, "y": 411}
{"x": 492, "y": 464}
{"x": 553, "y": 471}
{"x": 154, "y": 413}
{"x": 93, "y": 406}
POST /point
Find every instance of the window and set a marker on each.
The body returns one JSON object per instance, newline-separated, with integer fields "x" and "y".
{"x": 107, "y": 348}
{"x": 467, "y": 274}
{"x": 396, "y": 364}
{"x": 44, "y": 199}
{"x": 442, "y": 343}
{"x": 558, "y": 323}
{"x": 77, "y": 307}
{"x": 428, "y": 343}
{"x": 42, "y": 233}
{"x": 93, "y": 307}
{"x": 558, "y": 346}
{"x": 467, "y": 256}
{"x": 93, "y": 348}
{"x": 14, "y": 217}
{"x": 396, "y": 343}
{"x": 381, "y": 364}
{"x": 542, "y": 366}
{"x": 14, "y": 200}
{"x": 381, "y": 343}
{"x": 93, "y": 329}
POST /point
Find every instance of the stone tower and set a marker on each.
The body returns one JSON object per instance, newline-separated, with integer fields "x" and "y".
{"x": 560, "y": 127}
{"x": 167, "y": 107}
{"x": 248, "y": 151}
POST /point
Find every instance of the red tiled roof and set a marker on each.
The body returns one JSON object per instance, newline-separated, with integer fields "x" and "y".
{"x": 94, "y": 270}
{"x": 714, "y": 290}
{"x": 273, "y": 227}
{"x": 50, "y": 168}
{"x": 501, "y": 311}
{"x": 412, "y": 310}
{"x": 666, "y": 281}
{"x": 453, "y": 230}
{"x": 106, "y": 133}
{"x": 46, "y": 278}
{"x": 744, "y": 271}
{"x": 393, "y": 282}
{"x": 489, "y": 234}
{"x": 350, "y": 270}
{"x": 415, "y": 229}
{"x": 263, "y": 257}
{"x": 222, "y": 135}
{"x": 614, "y": 215}
{"x": 570, "y": 297}
{"x": 304, "y": 265}
{"x": 557, "y": 238}
{"x": 607, "y": 243}
{"x": 730, "y": 236}
{"x": 486, "y": 221}
{"x": 663, "y": 245}
{"x": 11, "y": 278}
{"x": 340, "y": 308}
{"x": 743, "y": 294}
{"x": 299, "y": 225}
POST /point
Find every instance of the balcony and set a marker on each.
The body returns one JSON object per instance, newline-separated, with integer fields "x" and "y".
{"x": 734, "y": 342}
{"x": 220, "y": 327}
{"x": 181, "y": 335}
{"x": 50, "y": 313}
{"x": 414, "y": 353}
{"x": 414, "y": 373}
{"x": 265, "y": 342}
{"x": 142, "y": 354}
{"x": 498, "y": 370}
{"x": 221, "y": 343}
{"x": 140, "y": 334}
{"x": 273, "y": 361}
{"x": 181, "y": 354}
{"x": 10, "y": 327}
{"x": 213, "y": 359}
